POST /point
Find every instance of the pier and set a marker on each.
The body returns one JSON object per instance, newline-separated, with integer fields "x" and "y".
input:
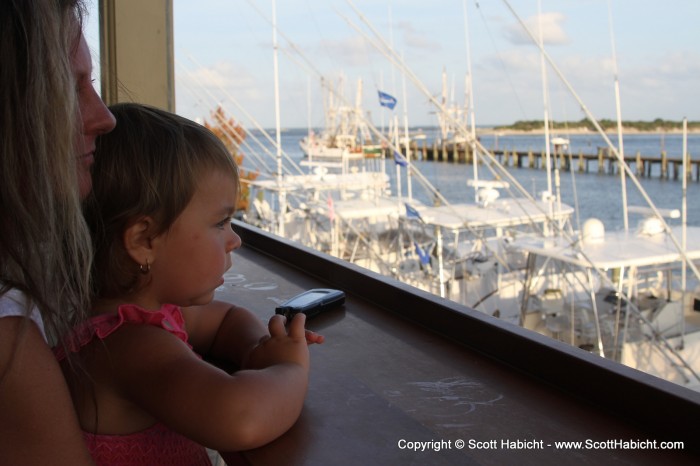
{"x": 602, "y": 162}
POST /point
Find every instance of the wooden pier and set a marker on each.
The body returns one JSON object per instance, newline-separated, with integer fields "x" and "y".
{"x": 603, "y": 162}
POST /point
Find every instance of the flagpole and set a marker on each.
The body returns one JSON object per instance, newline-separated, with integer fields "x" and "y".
{"x": 282, "y": 195}
{"x": 470, "y": 102}
{"x": 397, "y": 158}
{"x": 406, "y": 136}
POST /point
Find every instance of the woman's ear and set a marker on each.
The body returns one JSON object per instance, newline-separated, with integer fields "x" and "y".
{"x": 138, "y": 240}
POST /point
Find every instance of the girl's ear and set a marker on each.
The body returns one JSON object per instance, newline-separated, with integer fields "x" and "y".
{"x": 138, "y": 241}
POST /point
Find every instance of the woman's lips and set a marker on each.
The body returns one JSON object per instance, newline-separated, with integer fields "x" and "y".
{"x": 87, "y": 159}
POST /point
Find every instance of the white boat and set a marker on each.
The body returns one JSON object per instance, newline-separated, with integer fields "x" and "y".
{"x": 619, "y": 295}
{"x": 289, "y": 203}
{"x": 467, "y": 244}
{"x": 344, "y": 136}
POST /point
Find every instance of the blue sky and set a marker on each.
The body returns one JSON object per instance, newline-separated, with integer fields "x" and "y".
{"x": 223, "y": 53}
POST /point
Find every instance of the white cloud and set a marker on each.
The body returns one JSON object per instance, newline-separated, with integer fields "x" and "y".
{"x": 662, "y": 87}
{"x": 200, "y": 90}
{"x": 416, "y": 39}
{"x": 351, "y": 51}
{"x": 552, "y": 30}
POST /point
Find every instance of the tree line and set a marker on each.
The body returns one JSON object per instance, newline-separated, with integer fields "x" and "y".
{"x": 607, "y": 125}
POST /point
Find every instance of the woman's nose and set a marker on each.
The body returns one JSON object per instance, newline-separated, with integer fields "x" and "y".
{"x": 97, "y": 119}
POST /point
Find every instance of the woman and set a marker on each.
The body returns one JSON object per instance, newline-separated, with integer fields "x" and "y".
{"x": 50, "y": 116}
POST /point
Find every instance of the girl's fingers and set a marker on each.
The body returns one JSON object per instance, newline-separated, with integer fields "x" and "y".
{"x": 296, "y": 327}
{"x": 313, "y": 337}
{"x": 276, "y": 325}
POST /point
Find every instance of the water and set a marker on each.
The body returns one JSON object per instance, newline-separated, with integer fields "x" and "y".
{"x": 595, "y": 195}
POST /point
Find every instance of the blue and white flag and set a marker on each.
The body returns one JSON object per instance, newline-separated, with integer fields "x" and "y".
{"x": 400, "y": 160}
{"x": 386, "y": 100}
{"x": 423, "y": 255}
{"x": 411, "y": 212}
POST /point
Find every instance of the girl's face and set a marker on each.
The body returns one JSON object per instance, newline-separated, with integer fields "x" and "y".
{"x": 95, "y": 118}
{"x": 192, "y": 257}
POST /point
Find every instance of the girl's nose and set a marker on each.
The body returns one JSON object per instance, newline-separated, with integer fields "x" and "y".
{"x": 234, "y": 241}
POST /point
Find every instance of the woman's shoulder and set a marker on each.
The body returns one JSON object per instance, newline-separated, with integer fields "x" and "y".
{"x": 15, "y": 303}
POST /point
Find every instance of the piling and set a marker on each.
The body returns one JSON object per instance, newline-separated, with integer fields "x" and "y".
{"x": 638, "y": 165}
{"x": 664, "y": 167}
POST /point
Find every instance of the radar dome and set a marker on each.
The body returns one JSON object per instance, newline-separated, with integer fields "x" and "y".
{"x": 593, "y": 231}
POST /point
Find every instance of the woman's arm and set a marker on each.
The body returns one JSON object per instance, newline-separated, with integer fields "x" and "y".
{"x": 38, "y": 424}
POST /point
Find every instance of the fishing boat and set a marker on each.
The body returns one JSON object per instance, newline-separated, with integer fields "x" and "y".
{"x": 465, "y": 246}
{"x": 345, "y": 135}
{"x": 622, "y": 295}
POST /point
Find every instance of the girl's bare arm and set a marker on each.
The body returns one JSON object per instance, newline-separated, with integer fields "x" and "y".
{"x": 157, "y": 372}
{"x": 226, "y": 334}
{"x": 223, "y": 332}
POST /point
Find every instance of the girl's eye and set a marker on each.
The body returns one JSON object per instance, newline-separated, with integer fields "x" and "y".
{"x": 224, "y": 223}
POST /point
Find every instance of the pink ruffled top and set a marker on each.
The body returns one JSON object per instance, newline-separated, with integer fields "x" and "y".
{"x": 157, "y": 445}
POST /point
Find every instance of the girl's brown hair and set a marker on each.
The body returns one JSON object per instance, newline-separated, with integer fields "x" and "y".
{"x": 149, "y": 165}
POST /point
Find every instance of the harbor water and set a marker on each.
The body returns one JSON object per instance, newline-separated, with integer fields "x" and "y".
{"x": 592, "y": 194}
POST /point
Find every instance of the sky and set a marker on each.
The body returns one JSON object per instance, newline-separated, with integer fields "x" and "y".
{"x": 224, "y": 56}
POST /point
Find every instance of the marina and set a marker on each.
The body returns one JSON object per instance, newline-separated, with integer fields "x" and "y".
{"x": 500, "y": 248}
{"x": 592, "y": 186}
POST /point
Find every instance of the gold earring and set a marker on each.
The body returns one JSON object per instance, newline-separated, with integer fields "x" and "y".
{"x": 145, "y": 268}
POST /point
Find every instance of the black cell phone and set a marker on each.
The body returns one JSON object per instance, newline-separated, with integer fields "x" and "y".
{"x": 311, "y": 302}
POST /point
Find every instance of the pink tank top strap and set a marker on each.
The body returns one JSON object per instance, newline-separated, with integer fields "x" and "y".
{"x": 168, "y": 317}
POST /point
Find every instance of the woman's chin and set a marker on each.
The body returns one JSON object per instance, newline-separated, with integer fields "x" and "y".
{"x": 84, "y": 184}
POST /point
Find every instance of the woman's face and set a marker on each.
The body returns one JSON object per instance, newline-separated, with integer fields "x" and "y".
{"x": 95, "y": 117}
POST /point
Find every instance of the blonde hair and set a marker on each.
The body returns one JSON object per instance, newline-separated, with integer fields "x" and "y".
{"x": 149, "y": 165}
{"x": 44, "y": 242}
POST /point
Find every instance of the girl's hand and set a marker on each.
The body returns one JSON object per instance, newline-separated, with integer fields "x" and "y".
{"x": 313, "y": 337}
{"x": 283, "y": 345}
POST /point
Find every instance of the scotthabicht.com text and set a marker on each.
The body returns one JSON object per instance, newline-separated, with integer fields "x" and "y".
{"x": 531, "y": 444}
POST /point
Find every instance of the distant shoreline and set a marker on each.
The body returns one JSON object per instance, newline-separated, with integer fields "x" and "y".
{"x": 491, "y": 130}
{"x": 577, "y": 131}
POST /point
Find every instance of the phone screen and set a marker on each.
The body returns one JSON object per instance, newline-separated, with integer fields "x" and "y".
{"x": 307, "y": 298}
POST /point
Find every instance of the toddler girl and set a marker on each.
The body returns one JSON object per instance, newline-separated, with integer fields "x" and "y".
{"x": 164, "y": 192}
